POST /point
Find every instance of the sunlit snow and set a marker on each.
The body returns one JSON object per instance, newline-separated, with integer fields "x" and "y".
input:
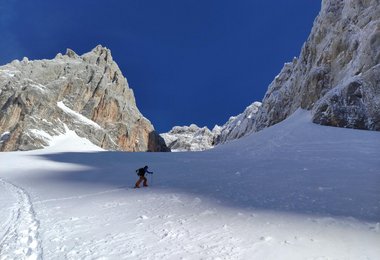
{"x": 293, "y": 191}
{"x": 77, "y": 115}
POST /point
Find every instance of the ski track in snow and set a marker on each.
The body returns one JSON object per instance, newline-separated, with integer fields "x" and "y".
{"x": 79, "y": 196}
{"x": 21, "y": 238}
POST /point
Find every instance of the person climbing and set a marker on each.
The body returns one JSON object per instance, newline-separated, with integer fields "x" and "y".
{"x": 141, "y": 172}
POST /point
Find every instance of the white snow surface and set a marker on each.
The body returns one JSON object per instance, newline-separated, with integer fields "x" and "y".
{"x": 77, "y": 115}
{"x": 71, "y": 142}
{"x": 295, "y": 190}
{"x": 8, "y": 73}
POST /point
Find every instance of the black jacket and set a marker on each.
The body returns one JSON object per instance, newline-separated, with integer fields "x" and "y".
{"x": 142, "y": 171}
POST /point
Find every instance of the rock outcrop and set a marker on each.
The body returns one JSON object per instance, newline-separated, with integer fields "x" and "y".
{"x": 194, "y": 138}
{"x": 190, "y": 138}
{"x": 87, "y": 94}
{"x": 238, "y": 126}
{"x": 337, "y": 75}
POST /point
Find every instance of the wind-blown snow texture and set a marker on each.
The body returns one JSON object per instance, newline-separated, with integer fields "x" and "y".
{"x": 295, "y": 190}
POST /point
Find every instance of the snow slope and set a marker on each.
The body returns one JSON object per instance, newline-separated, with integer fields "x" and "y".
{"x": 295, "y": 190}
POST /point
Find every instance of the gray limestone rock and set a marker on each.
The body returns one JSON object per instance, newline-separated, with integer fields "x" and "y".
{"x": 189, "y": 138}
{"x": 337, "y": 73}
{"x": 194, "y": 138}
{"x": 238, "y": 126}
{"x": 87, "y": 94}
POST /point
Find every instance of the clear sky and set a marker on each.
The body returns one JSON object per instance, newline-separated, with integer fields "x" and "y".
{"x": 188, "y": 61}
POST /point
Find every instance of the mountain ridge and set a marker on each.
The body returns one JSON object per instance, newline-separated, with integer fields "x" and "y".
{"x": 40, "y": 98}
{"x": 336, "y": 75}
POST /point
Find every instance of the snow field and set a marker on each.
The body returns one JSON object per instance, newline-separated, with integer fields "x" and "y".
{"x": 21, "y": 238}
{"x": 293, "y": 191}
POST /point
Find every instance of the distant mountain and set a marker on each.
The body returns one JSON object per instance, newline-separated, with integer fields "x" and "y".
{"x": 194, "y": 138}
{"x": 88, "y": 94}
{"x": 190, "y": 138}
{"x": 337, "y": 75}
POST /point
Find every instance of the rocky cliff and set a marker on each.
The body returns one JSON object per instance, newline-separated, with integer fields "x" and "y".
{"x": 238, "y": 126}
{"x": 337, "y": 75}
{"x": 88, "y": 94}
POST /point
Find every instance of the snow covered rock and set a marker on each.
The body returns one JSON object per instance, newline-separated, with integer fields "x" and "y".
{"x": 4, "y": 137}
{"x": 194, "y": 138}
{"x": 86, "y": 93}
{"x": 239, "y": 126}
{"x": 190, "y": 138}
{"x": 337, "y": 75}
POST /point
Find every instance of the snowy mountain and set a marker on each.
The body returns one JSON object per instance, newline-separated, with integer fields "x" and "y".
{"x": 293, "y": 190}
{"x": 239, "y": 126}
{"x": 190, "y": 138}
{"x": 88, "y": 94}
{"x": 194, "y": 138}
{"x": 337, "y": 74}
{"x": 296, "y": 190}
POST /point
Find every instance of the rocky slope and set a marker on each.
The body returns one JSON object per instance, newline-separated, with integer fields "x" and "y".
{"x": 238, "y": 126}
{"x": 88, "y": 94}
{"x": 337, "y": 75}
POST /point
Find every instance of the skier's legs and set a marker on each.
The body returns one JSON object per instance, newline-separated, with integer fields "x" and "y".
{"x": 145, "y": 181}
{"x": 139, "y": 181}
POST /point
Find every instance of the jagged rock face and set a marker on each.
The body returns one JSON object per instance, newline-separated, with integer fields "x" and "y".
{"x": 238, "y": 126}
{"x": 190, "y": 138}
{"x": 88, "y": 94}
{"x": 194, "y": 138}
{"x": 337, "y": 75}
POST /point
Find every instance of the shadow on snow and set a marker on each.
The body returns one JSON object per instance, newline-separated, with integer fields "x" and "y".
{"x": 289, "y": 184}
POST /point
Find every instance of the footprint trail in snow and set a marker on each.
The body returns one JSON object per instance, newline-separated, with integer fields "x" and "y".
{"x": 21, "y": 238}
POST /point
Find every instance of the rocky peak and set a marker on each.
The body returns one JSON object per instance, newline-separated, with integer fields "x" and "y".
{"x": 87, "y": 94}
{"x": 337, "y": 74}
{"x": 100, "y": 56}
{"x": 71, "y": 54}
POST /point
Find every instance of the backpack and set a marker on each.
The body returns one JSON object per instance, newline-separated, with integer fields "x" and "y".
{"x": 140, "y": 172}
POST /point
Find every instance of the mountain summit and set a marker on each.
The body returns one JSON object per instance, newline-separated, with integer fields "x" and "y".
{"x": 87, "y": 94}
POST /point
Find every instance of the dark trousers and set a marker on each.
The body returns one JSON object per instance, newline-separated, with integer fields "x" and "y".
{"x": 142, "y": 178}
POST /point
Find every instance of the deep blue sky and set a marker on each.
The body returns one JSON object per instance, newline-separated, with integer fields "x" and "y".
{"x": 188, "y": 61}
